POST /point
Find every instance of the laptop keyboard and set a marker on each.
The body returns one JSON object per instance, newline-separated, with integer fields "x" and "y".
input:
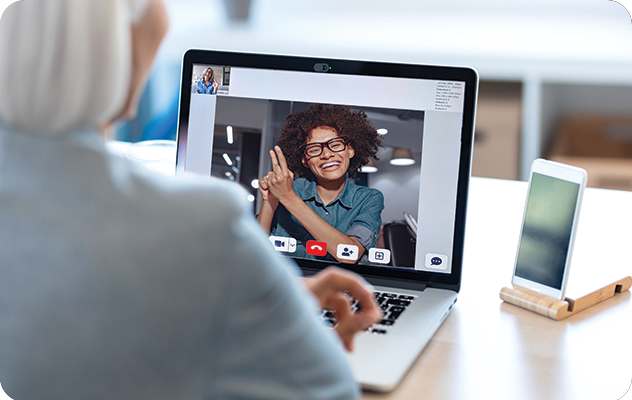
{"x": 392, "y": 304}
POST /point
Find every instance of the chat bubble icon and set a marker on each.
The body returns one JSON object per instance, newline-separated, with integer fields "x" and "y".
{"x": 436, "y": 261}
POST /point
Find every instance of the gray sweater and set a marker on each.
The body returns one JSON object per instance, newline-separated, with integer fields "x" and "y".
{"x": 118, "y": 284}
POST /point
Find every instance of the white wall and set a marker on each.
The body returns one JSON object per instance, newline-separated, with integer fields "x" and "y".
{"x": 3, "y": 6}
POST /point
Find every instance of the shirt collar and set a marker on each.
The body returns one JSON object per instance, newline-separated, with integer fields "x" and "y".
{"x": 309, "y": 192}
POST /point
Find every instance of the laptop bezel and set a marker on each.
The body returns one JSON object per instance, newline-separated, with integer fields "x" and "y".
{"x": 468, "y": 75}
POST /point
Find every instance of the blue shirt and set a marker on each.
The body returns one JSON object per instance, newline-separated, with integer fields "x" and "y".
{"x": 356, "y": 212}
{"x": 203, "y": 88}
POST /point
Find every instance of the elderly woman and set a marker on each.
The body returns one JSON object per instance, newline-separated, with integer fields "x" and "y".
{"x": 118, "y": 284}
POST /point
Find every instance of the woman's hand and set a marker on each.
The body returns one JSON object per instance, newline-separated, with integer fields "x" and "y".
{"x": 268, "y": 198}
{"x": 276, "y": 187}
{"x": 280, "y": 181}
{"x": 332, "y": 287}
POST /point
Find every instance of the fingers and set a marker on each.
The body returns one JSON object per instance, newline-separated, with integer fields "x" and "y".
{"x": 339, "y": 280}
{"x": 340, "y": 305}
{"x": 280, "y": 181}
{"x": 348, "y": 324}
{"x": 263, "y": 183}
{"x": 281, "y": 156}
{"x": 279, "y": 163}
{"x": 331, "y": 287}
{"x": 347, "y": 328}
{"x": 275, "y": 162}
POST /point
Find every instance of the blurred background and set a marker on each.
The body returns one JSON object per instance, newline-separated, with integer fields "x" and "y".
{"x": 556, "y": 75}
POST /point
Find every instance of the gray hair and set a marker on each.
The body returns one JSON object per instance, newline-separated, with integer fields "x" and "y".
{"x": 66, "y": 64}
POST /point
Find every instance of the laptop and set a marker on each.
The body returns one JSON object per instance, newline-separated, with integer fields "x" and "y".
{"x": 412, "y": 249}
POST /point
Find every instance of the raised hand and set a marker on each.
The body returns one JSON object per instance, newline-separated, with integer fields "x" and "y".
{"x": 280, "y": 181}
{"x": 277, "y": 186}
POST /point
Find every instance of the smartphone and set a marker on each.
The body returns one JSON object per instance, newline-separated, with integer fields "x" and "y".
{"x": 548, "y": 227}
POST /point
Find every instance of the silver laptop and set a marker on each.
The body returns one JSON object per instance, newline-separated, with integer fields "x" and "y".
{"x": 412, "y": 249}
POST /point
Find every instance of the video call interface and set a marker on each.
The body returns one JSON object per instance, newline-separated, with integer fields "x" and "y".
{"x": 335, "y": 181}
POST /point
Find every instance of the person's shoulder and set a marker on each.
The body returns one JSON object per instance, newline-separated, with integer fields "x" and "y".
{"x": 201, "y": 193}
{"x": 193, "y": 200}
{"x": 304, "y": 187}
{"x": 204, "y": 191}
{"x": 302, "y": 182}
{"x": 363, "y": 190}
{"x": 365, "y": 194}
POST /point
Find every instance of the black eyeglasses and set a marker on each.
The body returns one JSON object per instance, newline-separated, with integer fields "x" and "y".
{"x": 315, "y": 149}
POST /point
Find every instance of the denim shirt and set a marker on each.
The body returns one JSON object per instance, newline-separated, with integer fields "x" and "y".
{"x": 203, "y": 88}
{"x": 356, "y": 212}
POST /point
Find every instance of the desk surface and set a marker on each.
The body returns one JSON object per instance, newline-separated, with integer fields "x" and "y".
{"x": 487, "y": 349}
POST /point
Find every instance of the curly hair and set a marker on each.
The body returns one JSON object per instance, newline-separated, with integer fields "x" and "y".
{"x": 352, "y": 125}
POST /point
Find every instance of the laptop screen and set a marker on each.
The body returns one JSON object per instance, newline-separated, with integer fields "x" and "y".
{"x": 350, "y": 163}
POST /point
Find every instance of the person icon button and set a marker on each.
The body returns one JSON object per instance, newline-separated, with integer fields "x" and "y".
{"x": 347, "y": 252}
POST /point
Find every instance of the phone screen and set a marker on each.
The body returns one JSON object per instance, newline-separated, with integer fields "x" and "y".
{"x": 546, "y": 230}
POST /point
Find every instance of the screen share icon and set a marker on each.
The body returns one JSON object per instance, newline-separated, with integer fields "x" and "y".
{"x": 379, "y": 256}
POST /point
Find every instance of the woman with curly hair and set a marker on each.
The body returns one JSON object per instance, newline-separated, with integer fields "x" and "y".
{"x": 323, "y": 146}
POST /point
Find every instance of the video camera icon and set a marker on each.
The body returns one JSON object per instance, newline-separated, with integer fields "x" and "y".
{"x": 284, "y": 244}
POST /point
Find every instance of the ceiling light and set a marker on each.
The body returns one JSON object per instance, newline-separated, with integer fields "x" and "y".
{"x": 229, "y": 134}
{"x": 402, "y": 157}
{"x": 382, "y": 131}
{"x": 369, "y": 167}
{"x": 227, "y": 159}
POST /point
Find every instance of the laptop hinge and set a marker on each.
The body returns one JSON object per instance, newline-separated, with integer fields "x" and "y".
{"x": 380, "y": 281}
{"x": 393, "y": 282}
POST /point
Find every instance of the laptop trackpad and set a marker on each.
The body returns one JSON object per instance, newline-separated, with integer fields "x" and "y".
{"x": 380, "y": 360}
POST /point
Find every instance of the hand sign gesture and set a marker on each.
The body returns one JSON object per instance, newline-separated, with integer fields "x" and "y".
{"x": 268, "y": 198}
{"x": 278, "y": 183}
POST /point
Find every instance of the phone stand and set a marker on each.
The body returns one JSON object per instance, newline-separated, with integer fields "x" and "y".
{"x": 560, "y": 309}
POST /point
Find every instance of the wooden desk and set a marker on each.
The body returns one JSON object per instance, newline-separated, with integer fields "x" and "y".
{"x": 487, "y": 349}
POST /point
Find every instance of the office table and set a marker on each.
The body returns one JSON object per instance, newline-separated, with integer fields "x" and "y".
{"x": 487, "y": 349}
